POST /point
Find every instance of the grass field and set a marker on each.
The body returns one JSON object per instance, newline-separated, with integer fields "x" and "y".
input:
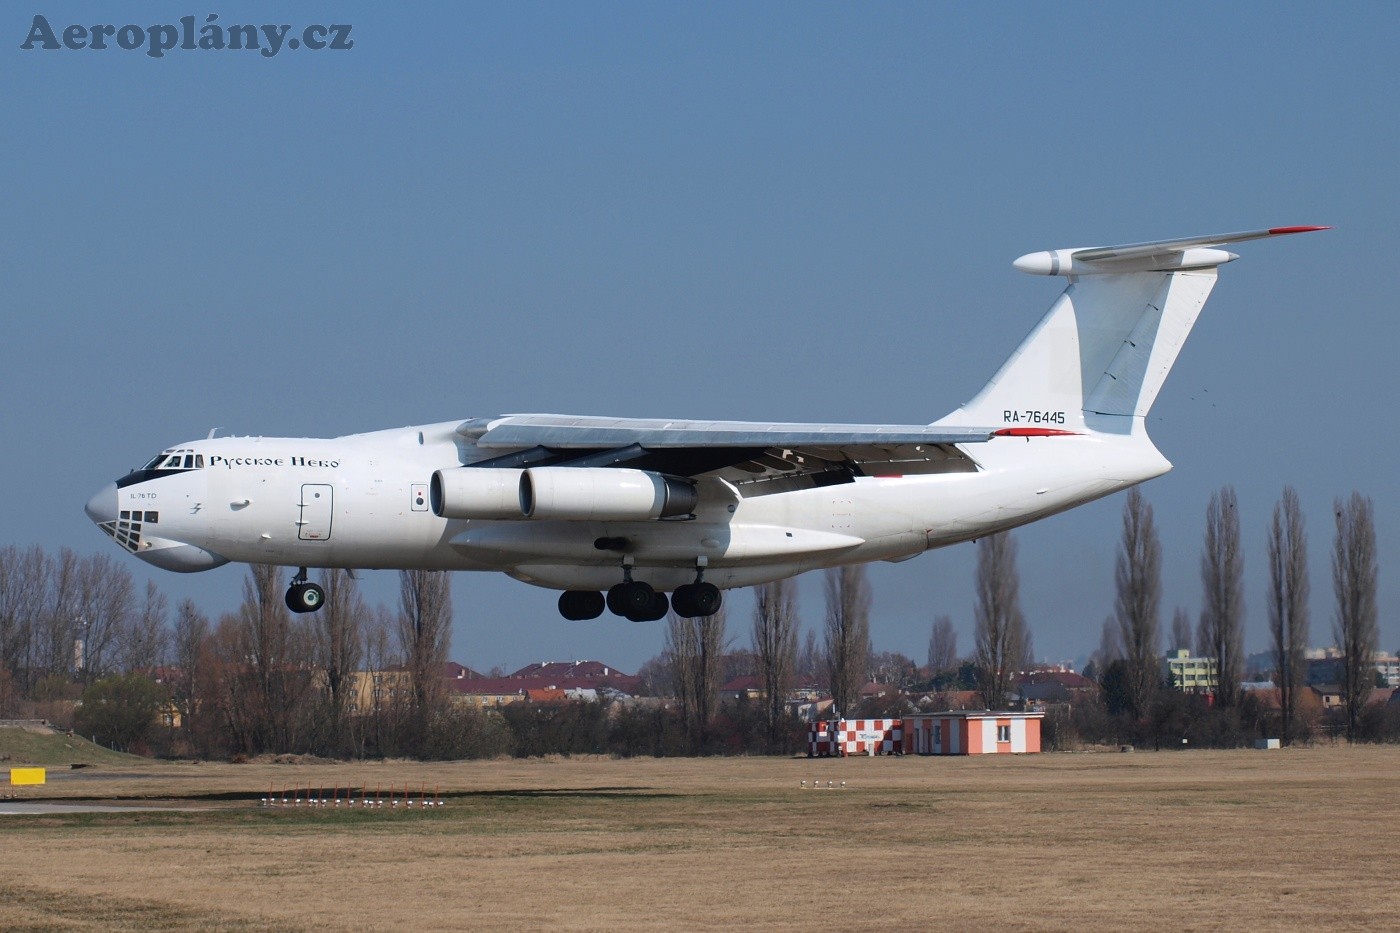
{"x": 1300, "y": 838}
{"x": 21, "y": 747}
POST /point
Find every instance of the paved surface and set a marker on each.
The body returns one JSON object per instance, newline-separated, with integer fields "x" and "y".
{"x": 22, "y": 807}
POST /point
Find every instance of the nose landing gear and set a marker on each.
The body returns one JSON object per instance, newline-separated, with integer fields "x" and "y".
{"x": 304, "y": 596}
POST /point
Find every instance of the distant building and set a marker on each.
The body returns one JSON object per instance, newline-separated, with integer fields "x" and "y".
{"x": 743, "y": 687}
{"x": 1325, "y": 666}
{"x": 1389, "y": 667}
{"x": 546, "y": 681}
{"x": 972, "y": 733}
{"x": 1329, "y": 694}
{"x": 877, "y": 691}
{"x": 1191, "y": 674}
{"x": 454, "y": 671}
{"x": 1039, "y": 689}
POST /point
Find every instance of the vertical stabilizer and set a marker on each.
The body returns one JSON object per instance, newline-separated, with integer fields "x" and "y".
{"x": 1099, "y": 356}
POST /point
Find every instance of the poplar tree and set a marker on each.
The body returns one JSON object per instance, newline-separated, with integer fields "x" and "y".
{"x": 1138, "y": 580}
{"x": 847, "y": 634}
{"x": 1001, "y": 637}
{"x": 1222, "y": 608}
{"x": 1288, "y": 603}
{"x": 1354, "y": 582}
{"x": 775, "y": 648}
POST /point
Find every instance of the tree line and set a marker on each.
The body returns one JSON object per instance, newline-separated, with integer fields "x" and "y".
{"x": 356, "y": 680}
{"x": 1128, "y": 660}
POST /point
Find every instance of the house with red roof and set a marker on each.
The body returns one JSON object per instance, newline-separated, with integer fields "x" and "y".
{"x": 546, "y": 681}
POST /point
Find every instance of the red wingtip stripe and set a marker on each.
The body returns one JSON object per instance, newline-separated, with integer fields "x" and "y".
{"x": 1032, "y": 432}
{"x": 1277, "y": 231}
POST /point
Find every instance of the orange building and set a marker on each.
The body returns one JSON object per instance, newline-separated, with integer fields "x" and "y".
{"x": 972, "y": 732}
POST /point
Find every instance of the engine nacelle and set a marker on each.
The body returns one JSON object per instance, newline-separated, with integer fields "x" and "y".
{"x": 467, "y": 492}
{"x": 603, "y": 494}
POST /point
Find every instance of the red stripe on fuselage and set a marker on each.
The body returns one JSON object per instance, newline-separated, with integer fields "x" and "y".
{"x": 1032, "y": 432}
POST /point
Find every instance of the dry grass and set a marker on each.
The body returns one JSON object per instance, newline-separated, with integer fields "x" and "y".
{"x": 1188, "y": 840}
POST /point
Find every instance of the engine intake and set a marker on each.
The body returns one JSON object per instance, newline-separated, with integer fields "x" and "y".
{"x": 467, "y": 492}
{"x": 603, "y": 494}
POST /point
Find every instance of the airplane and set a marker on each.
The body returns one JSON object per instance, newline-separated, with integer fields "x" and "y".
{"x": 618, "y": 512}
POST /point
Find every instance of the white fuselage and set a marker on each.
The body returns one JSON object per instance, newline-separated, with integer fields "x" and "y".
{"x": 361, "y": 501}
{"x": 690, "y": 506}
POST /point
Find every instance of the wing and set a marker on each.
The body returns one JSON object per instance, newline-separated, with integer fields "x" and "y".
{"x": 760, "y": 458}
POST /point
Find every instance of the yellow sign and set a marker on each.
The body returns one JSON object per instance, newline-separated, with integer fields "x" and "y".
{"x": 27, "y": 776}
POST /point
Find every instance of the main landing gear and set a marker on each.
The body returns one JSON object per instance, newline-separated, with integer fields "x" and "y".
{"x": 304, "y": 596}
{"x": 639, "y": 602}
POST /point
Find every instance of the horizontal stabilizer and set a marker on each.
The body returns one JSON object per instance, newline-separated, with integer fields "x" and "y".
{"x": 1196, "y": 252}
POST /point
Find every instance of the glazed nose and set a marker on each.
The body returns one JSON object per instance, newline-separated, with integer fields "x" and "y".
{"x": 102, "y": 507}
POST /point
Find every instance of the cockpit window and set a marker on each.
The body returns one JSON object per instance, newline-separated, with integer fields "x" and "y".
{"x": 176, "y": 460}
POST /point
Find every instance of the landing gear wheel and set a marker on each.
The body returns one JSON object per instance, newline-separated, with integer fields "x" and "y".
{"x": 696, "y": 600}
{"x": 683, "y": 601}
{"x": 707, "y": 599}
{"x": 654, "y": 612}
{"x": 614, "y": 600}
{"x": 637, "y": 599}
{"x": 579, "y": 605}
{"x": 305, "y": 597}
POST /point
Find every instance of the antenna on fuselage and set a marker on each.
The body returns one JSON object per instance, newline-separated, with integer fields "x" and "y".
{"x": 212, "y": 432}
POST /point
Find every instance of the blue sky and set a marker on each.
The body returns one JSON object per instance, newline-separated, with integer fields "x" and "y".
{"x": 795, "y": 212}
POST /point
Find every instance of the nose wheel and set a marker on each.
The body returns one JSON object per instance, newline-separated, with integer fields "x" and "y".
{"x": 304, "y": 596}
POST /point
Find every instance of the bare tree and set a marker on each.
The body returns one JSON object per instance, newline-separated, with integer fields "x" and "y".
{"x": 847, "y": 634}
{"x": 339, "y": 643}
{"x": 891, "y": 667}
{"x": 1181, "y": 629}
{"x": 694, "y": 648}
{"x": 23, "y": 579}
{"x": 383, "y": 701}
{"x": 1288, "y": 603}
{"x": 59, "y": 627}
{"x": 1110, "y": 644}
{"x": 1138, "y": 580}
{"x": 276, "y": 655}
{"x": 1354, "y": 582}
{"x": 811, "y": 666}
{"x": 942, "y": 646}
{"x": 234, "y": 692}
{"x": 86, "y": 614}
{"x": 1222, "y": 609}
{"x": 1000, "y": 626}
{"x": 191, "y": 633}
{"x": 775, "y": 648}
{"x": 425, "y": 631}
{"x": 147, "y": 641}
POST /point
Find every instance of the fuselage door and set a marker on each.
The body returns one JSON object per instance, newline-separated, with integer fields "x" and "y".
{"x": 315, "y": 521}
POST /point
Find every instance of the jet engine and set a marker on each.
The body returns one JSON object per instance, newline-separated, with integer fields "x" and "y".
{"x": 603, "y": 494}
{"x": 467, "y": 492}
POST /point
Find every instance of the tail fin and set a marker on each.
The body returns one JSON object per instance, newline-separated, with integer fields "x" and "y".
{"x": 1099, "y": 357}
